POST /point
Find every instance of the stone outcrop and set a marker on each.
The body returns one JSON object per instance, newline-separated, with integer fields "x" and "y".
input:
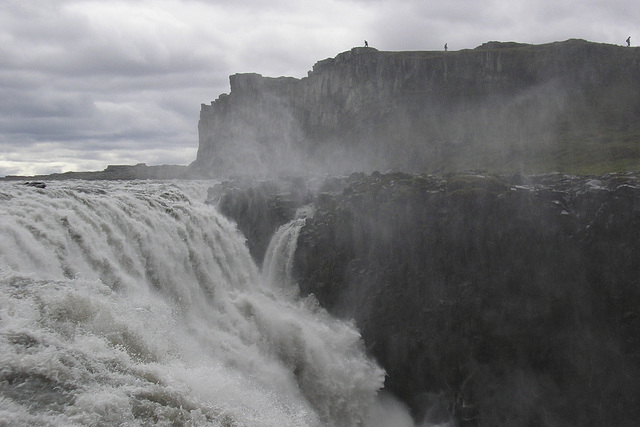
{"x": 503, "y": 106}
{"x": 498, "y": 300}
{"x": 259, "y": 208}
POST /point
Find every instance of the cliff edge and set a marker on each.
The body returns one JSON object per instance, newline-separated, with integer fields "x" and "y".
{"x": 504, "y": 107}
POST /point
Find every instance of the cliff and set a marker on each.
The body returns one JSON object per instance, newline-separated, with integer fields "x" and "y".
{"x": 505, "y": 107}
{"x": 498, "y": 300}
{"x": 506, "y": 298}
{"x": 492, "y": 300}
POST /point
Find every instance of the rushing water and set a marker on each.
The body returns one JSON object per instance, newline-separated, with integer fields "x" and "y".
{"x": 135, "y": 303}
{"x": 278, "y": 260}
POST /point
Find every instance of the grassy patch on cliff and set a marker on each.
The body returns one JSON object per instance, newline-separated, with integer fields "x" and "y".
{"x": 568, "y": 107}
{"x": 593, "y": 149}
{"x": 580, "y": 157}
{"x": 592, "y": 157}
{"x": 589, "y": 156}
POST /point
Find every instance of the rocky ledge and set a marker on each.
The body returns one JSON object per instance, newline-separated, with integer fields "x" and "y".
{"x": 492, "y": 300}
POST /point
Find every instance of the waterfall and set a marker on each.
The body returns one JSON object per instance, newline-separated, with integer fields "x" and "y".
{"x": 135, "y": 303}
{"x": 277, "y": 269}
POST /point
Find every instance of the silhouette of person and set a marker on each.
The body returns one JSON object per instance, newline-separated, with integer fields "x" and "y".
{"x": 366, "y": 44}
{"x": 446, "y": 47}
{"x": 628, "y": 41}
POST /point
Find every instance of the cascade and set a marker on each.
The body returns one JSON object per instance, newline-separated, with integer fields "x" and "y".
{"x": 277, "y": 267}
{"x": 135, "y": 303}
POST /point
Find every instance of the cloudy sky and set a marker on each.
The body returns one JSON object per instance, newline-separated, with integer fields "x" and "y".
{"x": 85, "y": 84}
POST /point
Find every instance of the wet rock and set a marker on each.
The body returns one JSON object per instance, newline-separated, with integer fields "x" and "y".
{"x": 508, "y": 295}
{"x": 36, "y": 184}
{"x": 260, "y": 208}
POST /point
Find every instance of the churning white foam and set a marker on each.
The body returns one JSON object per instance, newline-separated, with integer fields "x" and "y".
{"x": 134, "y": 303}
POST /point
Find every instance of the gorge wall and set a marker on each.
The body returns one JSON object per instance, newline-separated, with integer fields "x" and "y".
{"x": 503, "y": 107}
{"x": 503, "y": 296}
{"x": 495, "y": 300}
{"x": 489, "y": 300}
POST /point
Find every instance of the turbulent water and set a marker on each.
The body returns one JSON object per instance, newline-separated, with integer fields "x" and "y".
{"x": 278, "y": 260}
{"x": 135, "y": 303}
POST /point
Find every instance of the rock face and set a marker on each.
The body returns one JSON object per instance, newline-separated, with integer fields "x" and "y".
{"x": 259, "y": 208}
{"x": 501, "y": 106}
{"x": 491, "y": 300}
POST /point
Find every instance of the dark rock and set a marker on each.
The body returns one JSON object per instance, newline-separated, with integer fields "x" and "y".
{"x": 505, "y": 107}
{"x": 260, "y": 208}
{"x": 512, "y": 299}
{"x": 36, "y": 184}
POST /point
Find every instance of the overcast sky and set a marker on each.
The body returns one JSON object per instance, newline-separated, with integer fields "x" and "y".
{"x": 85, "y": 84}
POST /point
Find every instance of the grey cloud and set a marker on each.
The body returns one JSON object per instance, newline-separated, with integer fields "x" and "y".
{"x": 123, "y": 81}
{"x": 428, "y": 24}
{"x": 67, "y": 86}
{"x": 62, "y": 40}
{"x": 35, "y": 104}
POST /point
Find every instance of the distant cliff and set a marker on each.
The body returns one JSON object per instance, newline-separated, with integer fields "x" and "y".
{"x": 505, "y": 107}
{"x": 118, "y": 172}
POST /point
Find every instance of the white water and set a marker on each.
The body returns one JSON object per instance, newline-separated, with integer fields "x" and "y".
{"x": 277, "y": 269}
{"x": 137, "y": 304}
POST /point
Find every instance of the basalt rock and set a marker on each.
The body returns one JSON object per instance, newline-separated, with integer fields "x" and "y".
{"x": 35, "y": 184}
{"x": 259, "y": 208}
{"x": 513, "y": 299}
{"x": 505, "y": 107}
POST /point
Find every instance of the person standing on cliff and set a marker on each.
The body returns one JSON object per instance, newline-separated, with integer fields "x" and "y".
{"x": 446, "y": 48}
{"x": 366, "y": 44}
{"x": 628, "y": 41}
